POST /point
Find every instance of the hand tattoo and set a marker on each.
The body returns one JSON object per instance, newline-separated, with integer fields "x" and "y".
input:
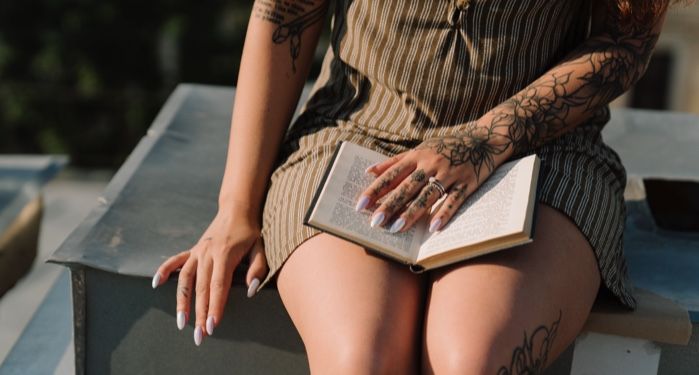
{"x": 477, "y": 147}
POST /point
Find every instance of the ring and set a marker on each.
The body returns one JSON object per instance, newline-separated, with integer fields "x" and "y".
{"x": 438, "y": 185}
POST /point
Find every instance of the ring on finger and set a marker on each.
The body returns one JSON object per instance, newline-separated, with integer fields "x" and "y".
{"x": 438, "y": 185}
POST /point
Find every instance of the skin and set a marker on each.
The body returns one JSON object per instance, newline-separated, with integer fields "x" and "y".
{"x": 273, "y": 70}
{"x": 360, "y": 314}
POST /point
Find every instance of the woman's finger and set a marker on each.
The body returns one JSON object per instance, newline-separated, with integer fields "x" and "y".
{"x": 383, "y": 184}
{"x": 418, "y": 207}
{"x": 399, "y": 197}
{"x": 258, "y": 267}
{"x": 380, "y": 167}
{"x": 184, "y": 290}
{"x": 455, "y": 198}
{"x": 204, "y": 268}
{"x": 168, "y": 267}
{"x": 221, "y": 279}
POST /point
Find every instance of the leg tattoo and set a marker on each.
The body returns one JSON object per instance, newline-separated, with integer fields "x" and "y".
{"x": 531, "y": 358}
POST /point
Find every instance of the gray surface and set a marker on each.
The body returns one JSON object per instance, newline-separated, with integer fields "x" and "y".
{"x": 130, "y": 329}
{"x": 48, "y": 334}
{"x": 21, "y": 178}
{"x": 656, "y": 143}
{"x": 165, "y": 194}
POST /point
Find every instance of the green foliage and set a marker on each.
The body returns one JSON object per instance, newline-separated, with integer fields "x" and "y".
{"x": 87, "y": 77}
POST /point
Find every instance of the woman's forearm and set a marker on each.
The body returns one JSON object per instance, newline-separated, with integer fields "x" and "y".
{"x": 277, "y": 55}
{"x": 575, "y": 90}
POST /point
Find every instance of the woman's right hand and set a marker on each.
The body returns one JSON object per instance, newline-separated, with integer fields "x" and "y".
{"x": 210, "y": 263}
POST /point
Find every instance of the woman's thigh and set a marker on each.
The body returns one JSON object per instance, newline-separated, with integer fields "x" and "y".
{"x": 515, "y": 311}
{"x": 355, "y": 312}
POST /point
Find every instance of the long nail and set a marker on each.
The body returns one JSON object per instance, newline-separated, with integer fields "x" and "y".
{"x": 362, "y": 203}
{"x": 368, "y": 169}
{"x": 435, "y": 224}
{"x": 210, "y": 325}
{"x": 156, "y": 280}
{"x": 377, "y": 219}
{"x": 180, "y": 320}
{"x": 252, "y": 289}
{"x": 197, "y": 336}
{"x": 397, "y": 225}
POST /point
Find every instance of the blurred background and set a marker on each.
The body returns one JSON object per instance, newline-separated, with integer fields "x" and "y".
{"x": 86, "y": 78}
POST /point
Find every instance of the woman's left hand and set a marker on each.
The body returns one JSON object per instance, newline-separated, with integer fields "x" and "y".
{"x": 459, "y": 163}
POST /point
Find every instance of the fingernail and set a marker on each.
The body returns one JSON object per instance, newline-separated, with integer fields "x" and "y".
{"x": 210, "y": 325}
{"x": 156, "y": 280}
{"x": 197, "y": 336}
{"x": 377, "y": 219}
{"x": 180, "y": 320}
{"x": 368, "y": 171}
{"x": 435, "y": 224}
{"x": 397, "y": 225}
{"x": 252, "y": 289}
{"x": 362, "y": 203}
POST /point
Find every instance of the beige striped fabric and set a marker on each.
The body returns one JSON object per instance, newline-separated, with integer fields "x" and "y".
{"x": 398, "y": 72}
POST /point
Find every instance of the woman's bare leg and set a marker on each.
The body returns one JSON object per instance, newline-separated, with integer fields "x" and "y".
{"x": 356, "y": 313}
{"x": 512, "y": 311}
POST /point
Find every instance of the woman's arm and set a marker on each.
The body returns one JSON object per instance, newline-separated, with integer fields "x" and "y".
{"x": 279, "y": 46}
{"x": 603, "y": 67}
{"x": 277, "y": 56}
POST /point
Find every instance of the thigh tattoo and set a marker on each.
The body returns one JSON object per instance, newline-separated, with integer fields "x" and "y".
{"x": 531, "y": 358}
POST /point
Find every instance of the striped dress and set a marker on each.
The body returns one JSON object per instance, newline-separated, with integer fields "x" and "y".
{"x": 399, "y": 72}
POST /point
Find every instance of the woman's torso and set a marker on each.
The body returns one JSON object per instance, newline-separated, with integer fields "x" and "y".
{"x": 410, "y": 70}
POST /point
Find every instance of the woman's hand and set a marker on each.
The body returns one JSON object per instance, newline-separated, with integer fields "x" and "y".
{"x": 210, "y": 263}
{"x": 402, "y": 189}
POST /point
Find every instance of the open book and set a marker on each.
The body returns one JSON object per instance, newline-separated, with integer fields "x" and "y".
{"x": 499, "y": 215}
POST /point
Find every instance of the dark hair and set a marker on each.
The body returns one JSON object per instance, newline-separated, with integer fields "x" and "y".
{"x": 639, "y": 12}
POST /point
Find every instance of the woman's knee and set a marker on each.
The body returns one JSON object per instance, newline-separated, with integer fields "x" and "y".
{"x": 357, "y": 355}
{"x": 507, "y": 351}
{"x": 355, "y": 313}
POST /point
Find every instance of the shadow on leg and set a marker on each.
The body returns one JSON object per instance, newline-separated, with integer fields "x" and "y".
{"x": 356, "y": 313}
{"x": 512, "y": 312}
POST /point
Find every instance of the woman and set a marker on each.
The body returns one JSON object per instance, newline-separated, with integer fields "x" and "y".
{"x": 451, "y": 89}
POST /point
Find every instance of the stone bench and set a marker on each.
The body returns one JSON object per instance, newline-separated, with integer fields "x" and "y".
{"x": 158, "y": 204}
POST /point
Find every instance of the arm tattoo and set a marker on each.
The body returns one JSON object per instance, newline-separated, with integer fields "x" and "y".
{"x": 593, "y": 75}
{"x": 291, "y": 18}
{"x": 531, "y": 358}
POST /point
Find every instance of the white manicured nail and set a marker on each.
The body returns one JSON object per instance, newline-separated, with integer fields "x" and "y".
{"x": 435, "y": 225}
{"x": 197, "y": 336}
{"x": 156, "y": 280}
{"x": 210, "y": 325}
{"x": 252, "y": 289}
{"x": 180, "y": 320}
{"x": 377, "y": 219}
{"x": 362, "y": 203}
{"x": 397, "y": 225}
{"x": 367, "y": 170}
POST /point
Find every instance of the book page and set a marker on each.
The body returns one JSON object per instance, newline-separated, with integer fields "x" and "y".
{"x": 496, "y": 209}
{"x": 335, "y": 206}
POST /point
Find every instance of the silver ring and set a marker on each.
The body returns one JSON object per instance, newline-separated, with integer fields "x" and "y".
{"x": 438, "y": 185}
